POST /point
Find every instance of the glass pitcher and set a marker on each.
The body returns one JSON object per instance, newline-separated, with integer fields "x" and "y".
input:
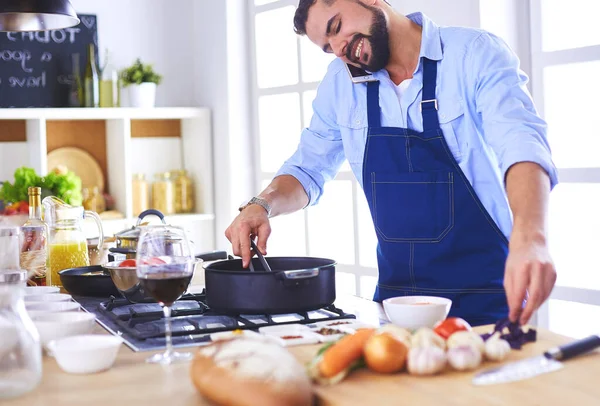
{"x": 20, "y": 348}
{"x": 67, "y": 245}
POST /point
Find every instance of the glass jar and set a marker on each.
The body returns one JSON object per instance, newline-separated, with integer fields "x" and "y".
{"x": 20, "y": 348}
{"x": 184, "y": 192}
{"x": 93, "y": 200}
{"x": 140, "y": 195}
{"x": 163, "y": 193}
{"x": 9, "y": 249}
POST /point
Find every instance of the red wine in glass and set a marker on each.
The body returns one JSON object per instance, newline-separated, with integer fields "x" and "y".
{"x": 165, "y": 287}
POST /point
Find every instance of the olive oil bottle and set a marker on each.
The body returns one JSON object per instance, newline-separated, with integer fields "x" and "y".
{"x": 91, "y": 80}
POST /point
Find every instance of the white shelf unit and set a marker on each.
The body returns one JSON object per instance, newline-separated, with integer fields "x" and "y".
{"x": 195, "y": 155}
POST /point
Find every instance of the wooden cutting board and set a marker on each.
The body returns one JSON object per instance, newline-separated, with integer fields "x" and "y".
{"x": 576, "y": 384}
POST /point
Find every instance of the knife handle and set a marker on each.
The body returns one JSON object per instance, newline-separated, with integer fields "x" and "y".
{"x": 573, "y": 349}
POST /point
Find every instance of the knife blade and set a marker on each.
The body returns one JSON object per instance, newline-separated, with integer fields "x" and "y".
{"x": 549, "y": 361}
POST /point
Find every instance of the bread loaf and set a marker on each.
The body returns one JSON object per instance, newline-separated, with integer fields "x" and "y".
{"x": 250, "y": 371}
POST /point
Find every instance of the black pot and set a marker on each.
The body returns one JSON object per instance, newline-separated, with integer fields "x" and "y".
{"x": 296, "y": 284}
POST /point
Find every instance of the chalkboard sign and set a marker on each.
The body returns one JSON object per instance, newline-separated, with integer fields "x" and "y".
{"x": 36, "y": 68}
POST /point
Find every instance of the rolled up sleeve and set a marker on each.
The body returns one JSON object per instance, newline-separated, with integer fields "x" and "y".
{"x": 320, "y": 152}
{"x": 511, "y": 125}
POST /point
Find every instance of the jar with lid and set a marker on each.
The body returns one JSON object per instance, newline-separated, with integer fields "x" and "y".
{"x": 93, "y": 200}
{"x": 140, "y": 195}
{"x": 20, "y": 348}
{"x": 184, "y": 193}
{"x": 163, "y": 193}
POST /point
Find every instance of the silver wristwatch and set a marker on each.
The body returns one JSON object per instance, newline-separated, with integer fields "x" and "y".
{"x": 260, "y": 201}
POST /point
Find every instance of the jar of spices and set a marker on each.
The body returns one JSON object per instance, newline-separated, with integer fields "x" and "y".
{"x": 184, "y": 193}
{"x": 141, "y": 195}
{"x": 163, "y": 193}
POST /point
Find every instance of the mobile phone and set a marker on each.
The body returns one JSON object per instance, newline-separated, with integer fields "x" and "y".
{"x": 359, "y": 75}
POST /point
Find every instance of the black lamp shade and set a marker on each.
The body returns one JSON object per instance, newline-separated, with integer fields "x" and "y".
{"x": 36, "y": 15}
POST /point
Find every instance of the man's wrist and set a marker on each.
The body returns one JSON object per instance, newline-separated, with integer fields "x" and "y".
{"x": 257, "y": 200}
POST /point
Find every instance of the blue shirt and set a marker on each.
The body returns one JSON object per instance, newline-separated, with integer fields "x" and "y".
{"x": 485, "y": 111}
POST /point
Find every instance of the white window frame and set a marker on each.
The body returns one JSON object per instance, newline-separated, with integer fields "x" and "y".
{"x": 355, "y": 269}
{"x": 540, "y": 60}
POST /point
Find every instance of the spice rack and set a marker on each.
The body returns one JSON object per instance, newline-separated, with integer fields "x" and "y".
{"x": 124, "y": 141}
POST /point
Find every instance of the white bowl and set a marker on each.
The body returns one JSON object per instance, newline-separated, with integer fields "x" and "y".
{"x": 47, "y": 307}
{"x": 413, "y": 312}
{"x": 40, "y": 290}
{"x": 85, "y": 354}
{"x": 48, "y": 297}
{"x": 53, "y": 326}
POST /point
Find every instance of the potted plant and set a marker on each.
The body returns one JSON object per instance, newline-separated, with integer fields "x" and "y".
{"x": 141, "y": 79}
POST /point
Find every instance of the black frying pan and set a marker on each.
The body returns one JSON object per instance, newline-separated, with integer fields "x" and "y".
{"x": 296, "y": 284}
{"x": 88, "y": 281}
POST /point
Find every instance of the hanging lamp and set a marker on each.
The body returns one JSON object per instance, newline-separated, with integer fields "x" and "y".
{"x": 36, "y": 15}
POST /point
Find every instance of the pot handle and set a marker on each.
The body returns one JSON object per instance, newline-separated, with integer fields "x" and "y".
{"x": 212, "y": 255}
{"x": 149, "y": 212}
{"x": 300, "y": 274}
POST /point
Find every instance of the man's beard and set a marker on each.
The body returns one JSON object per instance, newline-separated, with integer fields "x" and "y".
{"x": 379, "y": 41}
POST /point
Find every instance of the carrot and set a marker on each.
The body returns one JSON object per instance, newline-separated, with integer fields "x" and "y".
{"x": 344, "y": 352}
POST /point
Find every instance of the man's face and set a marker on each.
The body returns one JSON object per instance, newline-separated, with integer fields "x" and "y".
{"x": 354, "y": 31}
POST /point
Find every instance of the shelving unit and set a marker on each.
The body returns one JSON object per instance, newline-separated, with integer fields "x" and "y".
{"x": 109, "y": 135}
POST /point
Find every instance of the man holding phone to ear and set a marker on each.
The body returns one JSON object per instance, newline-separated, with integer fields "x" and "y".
{"x": 444, "y": 138}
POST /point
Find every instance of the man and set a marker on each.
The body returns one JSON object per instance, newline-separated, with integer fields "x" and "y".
{"x": 448, "y": 148}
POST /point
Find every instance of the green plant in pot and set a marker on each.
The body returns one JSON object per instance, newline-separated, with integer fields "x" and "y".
{"x": 141, "y": 81}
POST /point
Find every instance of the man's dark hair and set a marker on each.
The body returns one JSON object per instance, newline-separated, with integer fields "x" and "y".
{"x": 301, "y": 14}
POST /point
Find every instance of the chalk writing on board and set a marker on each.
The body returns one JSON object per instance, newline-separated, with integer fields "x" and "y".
{"x": 36, "y": 68}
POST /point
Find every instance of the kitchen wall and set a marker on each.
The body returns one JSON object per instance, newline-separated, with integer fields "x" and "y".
{"x": 158, "y": 31}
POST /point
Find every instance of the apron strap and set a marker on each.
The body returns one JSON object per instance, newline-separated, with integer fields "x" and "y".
{"x": 373, "y": 110}
{"x": 429, "y": 104}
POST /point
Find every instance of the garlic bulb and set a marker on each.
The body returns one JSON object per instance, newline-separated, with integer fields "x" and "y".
{"x": 461, "y": 338}
{"x": 399, "y": 333}
{"x": 426, "y": 337}
{"x": 496, "y": 348}
{"x": 464, "y": 357}
{"x": 426, "y": 360}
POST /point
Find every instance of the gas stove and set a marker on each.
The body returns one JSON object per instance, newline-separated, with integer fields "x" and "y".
{"x": 142, "y": 326}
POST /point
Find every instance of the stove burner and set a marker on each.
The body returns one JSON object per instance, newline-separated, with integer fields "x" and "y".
{"x": 192, "y": 321}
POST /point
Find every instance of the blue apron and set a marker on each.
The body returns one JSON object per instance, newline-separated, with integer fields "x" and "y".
{"x": 435, "y": 237}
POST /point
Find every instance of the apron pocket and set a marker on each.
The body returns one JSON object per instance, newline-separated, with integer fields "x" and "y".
{"x": 413, "y": 206}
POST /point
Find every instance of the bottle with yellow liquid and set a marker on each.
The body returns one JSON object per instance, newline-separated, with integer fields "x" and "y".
{"x": 67, "y": 245}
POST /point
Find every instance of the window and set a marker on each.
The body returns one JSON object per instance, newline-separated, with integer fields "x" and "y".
{"x": 565, "y": 45}
{"x": 288, "y": 69}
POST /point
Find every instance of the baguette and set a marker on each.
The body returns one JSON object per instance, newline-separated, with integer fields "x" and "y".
{"x": 250, "y": 371}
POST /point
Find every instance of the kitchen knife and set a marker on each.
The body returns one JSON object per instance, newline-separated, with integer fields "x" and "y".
{"x": 541, "y": 364}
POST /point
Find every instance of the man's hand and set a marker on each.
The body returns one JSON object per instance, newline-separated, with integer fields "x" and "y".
{"x": 252, "y": 221}
{"x": 530, "y": 275}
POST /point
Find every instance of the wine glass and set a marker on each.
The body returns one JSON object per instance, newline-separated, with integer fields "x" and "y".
{"x": 165, "y": 266}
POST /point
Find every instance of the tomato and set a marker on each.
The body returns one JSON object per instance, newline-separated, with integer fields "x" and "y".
{"x": 451, "y": 325}
{"x": 128, "y": 263}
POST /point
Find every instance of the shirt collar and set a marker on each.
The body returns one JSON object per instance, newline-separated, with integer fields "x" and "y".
{"x": 431, "y": 43}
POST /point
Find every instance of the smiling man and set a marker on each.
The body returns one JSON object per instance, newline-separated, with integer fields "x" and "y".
{"x": 448, "y": 147}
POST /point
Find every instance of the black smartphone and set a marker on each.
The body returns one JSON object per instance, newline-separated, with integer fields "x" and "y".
{"x": 359, "y": 75}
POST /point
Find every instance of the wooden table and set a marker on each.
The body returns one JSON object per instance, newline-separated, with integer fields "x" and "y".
{"x": 133, "y": 382}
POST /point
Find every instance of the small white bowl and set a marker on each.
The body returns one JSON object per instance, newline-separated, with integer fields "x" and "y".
{"x": 49, "y": 297}
{"x": 40, "y": 290}
{"x": 85, "y": 354}
{"x": 53, "y": 326}
{"x": 47, "y": 307}
{"x": 413, "y": 312}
